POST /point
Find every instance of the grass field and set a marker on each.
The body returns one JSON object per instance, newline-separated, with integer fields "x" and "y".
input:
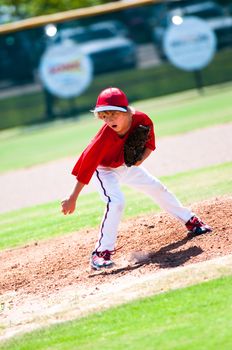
{"x": 174, "y": 114}
{"x": 45, "y": 221}
{"x": 193, "y": 318}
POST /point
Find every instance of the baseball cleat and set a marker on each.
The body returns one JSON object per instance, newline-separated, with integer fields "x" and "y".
{"x": 101, "y": 260}
{"x": 197, "y": 227}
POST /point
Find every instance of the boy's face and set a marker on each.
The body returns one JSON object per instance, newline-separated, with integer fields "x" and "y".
{"x": 118, "y": 121}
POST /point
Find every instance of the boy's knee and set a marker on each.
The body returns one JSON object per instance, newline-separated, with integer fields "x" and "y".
{"x": 159, "y": 186}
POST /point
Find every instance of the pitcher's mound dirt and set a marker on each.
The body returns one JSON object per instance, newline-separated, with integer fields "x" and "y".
{"x": 150, "y": 243}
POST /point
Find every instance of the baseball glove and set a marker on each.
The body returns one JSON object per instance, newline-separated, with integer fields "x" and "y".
{"x": 135, "y": 145}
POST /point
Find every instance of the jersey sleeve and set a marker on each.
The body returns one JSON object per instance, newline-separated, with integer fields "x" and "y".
{"x": 90, "y": 158}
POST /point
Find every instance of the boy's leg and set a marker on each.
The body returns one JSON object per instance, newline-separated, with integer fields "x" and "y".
{"x": 106, "y": 183}
{"x": 141, "y": 179}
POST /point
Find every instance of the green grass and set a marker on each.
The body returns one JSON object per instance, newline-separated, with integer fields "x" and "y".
{"x": 46, "y": 221}
{"x": 184, "y": 112}
{"x": 175, "y": 114}
{"x": 24, "y": 147}
{"x": 193, "y": 318}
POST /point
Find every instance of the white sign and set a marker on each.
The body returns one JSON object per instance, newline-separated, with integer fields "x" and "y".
{"x": 65, "y": 71}
{"x": 190, "y": 45}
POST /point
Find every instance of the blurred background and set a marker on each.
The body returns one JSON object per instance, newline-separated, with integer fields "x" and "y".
{"x": 123, "y": 41}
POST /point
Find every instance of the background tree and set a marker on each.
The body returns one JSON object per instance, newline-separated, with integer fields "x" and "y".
{"x": 25, "y": 8}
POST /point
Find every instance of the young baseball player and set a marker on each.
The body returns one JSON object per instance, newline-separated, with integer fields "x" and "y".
{"x": 102, "y": 161}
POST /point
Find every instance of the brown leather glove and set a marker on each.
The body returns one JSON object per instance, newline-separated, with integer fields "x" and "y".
{"x": 135, "y": 145}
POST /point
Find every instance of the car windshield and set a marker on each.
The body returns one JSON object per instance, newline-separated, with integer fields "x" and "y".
{"x": 80, "y": 37}
{"x": 92, "y": 34}
{"x": 83, "y": 35}
{"x": 207, "y": 13}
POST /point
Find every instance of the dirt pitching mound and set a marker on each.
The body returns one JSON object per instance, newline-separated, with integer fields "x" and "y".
{"x": 150, "y": 243}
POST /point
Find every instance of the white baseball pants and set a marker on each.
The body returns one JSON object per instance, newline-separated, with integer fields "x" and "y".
{"x": 107, "y": 182}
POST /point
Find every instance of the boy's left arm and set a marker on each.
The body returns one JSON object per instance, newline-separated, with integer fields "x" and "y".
{"x": 68, "y": 205}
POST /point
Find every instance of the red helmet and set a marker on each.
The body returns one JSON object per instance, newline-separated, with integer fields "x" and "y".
{"x": 111, "y": 99}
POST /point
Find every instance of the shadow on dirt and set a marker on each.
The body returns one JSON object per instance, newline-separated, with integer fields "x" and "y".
{"x": 163, "y": 258}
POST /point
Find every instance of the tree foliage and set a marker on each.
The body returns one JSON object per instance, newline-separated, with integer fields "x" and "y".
{"x": 25, "y": 8}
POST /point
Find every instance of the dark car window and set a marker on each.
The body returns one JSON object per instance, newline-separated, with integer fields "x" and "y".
{"x": 92, "y": 34}
{"x": 100, "y": 34}
{"x": 80, "y": 37}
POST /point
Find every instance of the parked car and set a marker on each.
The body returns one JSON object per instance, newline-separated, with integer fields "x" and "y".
{"x": 108, "y": 49}
{"x": 209, "y": 11}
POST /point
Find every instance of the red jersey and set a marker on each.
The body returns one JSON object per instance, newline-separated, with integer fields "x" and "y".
{"x": 107, "y": 148}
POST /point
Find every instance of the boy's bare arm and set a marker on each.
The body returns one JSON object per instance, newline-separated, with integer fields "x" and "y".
{"x": 68, "y": 205}
{"x": 146, "y": 154}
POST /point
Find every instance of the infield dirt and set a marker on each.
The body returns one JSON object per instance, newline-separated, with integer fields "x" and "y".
{"x": 41, "y": 282}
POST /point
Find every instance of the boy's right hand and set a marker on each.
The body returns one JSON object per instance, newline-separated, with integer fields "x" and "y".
{"x": 68, "y": 206}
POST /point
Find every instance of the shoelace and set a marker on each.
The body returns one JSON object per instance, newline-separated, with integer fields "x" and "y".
{"x": 194, "y": 222}
{"x": 106, "y": 254}
{"x": 197, "y": 222}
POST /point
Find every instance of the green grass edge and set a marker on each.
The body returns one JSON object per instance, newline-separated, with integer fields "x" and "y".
{"x": 193, "y": 318}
